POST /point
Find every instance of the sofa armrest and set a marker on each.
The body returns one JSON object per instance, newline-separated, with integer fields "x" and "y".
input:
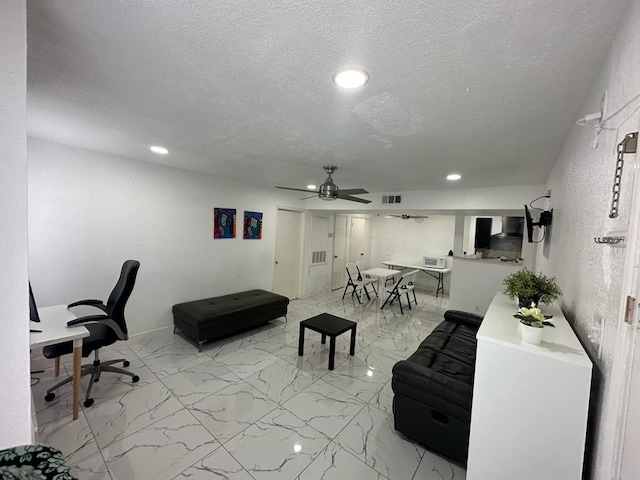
{"x": 471, "y": 319}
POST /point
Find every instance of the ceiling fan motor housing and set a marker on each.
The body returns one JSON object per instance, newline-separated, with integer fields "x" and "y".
{"x": 328, "y": 190}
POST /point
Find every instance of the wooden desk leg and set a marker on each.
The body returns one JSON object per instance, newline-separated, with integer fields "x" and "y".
{"x": 77, "y": 359}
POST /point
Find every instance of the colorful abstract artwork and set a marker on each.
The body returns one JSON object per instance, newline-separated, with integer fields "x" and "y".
{"x": 252, "y": 225}
{"x": 224, "y": 223}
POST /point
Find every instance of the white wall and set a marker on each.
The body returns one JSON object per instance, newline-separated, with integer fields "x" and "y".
{"x": 581, "y": 184}
{"x": 88, "y": 212}
{"x": 409, "y": 240}
{"x": 15, "y": 400}
{"x": 474, "y": 283}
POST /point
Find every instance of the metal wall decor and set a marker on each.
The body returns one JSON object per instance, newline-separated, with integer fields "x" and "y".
{"x": 628, "y": 145}
{"x": 609, "y": 240}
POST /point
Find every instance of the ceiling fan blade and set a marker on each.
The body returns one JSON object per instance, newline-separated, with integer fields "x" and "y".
{"x": 353, "y": 199}
{"x": 298, "y": 189}
{"x": 311, "y": 196}
{"x": 353, "y": 191}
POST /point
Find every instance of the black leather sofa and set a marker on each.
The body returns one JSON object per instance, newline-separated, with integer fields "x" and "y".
{"x": 433, "y": 388}
{"x": 218, "y": 317}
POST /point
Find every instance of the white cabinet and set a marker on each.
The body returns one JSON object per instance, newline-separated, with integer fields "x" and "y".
{"x": 530, "y": 402}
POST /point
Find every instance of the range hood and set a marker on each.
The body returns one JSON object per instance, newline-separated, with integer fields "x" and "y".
{"x": 510, "y": 238}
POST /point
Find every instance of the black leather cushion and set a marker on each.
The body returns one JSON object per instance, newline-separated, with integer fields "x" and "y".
{"x": 229, "y": 308}
{"x": 434, "y": 387}
{"x": 218, "y": 317}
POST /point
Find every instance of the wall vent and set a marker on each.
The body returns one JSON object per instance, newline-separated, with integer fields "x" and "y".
{"x": 391, "y": 199}
{"x": 318, "y": 257}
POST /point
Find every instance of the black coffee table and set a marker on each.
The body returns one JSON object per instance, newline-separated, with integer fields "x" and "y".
{"x": 332, "y": 326}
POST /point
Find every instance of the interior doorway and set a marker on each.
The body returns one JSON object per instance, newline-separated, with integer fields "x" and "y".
{"x": 338, "y": 276}
{"x": 286, "y": 270}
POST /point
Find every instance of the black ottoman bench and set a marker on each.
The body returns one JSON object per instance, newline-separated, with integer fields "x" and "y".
{"x": 219, "y": 317}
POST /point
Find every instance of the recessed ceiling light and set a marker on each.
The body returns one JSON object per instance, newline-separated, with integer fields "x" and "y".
{"x": 311, "y": 187}
{"x": 351, "y": 78}
{"x": 159, "y": 150}
{"x": 454, "y": 176}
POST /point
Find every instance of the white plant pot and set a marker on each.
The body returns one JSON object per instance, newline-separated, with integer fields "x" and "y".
{"x": 531, "y": 335}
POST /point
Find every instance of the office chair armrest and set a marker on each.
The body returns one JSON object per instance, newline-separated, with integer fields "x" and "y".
{"x": 87, "y": 319}
{"x": 102, "y": 319}
{"x": 90, "y": 303}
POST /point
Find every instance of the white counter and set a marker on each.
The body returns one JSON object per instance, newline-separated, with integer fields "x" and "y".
{"x": 530, "y": 402}
{"x": 475, "y": 281}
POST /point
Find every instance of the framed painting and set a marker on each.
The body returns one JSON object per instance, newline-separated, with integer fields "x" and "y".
{"x": 224, "y": 223}
{"x": 252, "y": 226}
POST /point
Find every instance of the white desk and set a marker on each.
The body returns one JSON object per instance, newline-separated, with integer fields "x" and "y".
{"x": 437, "y": 273}
{"x": 53, "y": 323}
{"x": 381, "y": 274}
{"x": 530, "y": 402}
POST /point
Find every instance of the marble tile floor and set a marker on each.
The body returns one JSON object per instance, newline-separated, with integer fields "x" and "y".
{"x": 248, "y": 407}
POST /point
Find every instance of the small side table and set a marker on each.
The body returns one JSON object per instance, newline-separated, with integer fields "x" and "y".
{"x": 332, "y": 326}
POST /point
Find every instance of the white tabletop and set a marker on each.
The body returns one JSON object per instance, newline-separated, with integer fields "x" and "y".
{"x": 53, "y": 323}
{"x": 418, "y": 267}
{"x": 499, "y": 326}
{"x": 380, "y": 272}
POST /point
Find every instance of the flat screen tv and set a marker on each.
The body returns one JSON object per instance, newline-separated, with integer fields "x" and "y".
{"x": 529, "y": 223}
{"x": 33, "y": 309}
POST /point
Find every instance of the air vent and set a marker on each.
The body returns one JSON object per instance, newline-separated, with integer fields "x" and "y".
{"x": 391, "y": 199}
{"x": 318, "y": 257}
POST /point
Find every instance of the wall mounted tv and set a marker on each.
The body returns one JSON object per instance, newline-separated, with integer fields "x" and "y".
{"x": 544, "y": 221}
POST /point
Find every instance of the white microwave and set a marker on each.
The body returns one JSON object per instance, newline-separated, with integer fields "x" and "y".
{"x": 435, "y": 262}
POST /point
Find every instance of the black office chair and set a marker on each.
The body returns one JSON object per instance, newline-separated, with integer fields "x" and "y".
{"x": 103, "y": 330}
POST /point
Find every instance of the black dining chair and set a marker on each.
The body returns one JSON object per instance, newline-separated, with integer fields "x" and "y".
{"x": 104, "y": 329}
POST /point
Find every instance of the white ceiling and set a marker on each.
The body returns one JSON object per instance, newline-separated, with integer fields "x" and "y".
{"x": 243, "y": 89}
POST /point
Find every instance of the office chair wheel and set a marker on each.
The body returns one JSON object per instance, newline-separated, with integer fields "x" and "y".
{"x": 135, "y": 378}
{"x": 88, "y": 402}
{"x": 126, "y": 363}
{"x": 49, "y": 396}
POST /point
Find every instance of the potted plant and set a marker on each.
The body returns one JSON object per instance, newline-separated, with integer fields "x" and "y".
{"x": 534, "y": 321}
{"x": 530, "y": 287}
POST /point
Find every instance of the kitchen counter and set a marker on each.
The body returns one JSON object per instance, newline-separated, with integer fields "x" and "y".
{"x": 474, "y": 282}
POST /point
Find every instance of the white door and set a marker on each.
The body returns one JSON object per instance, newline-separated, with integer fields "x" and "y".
{"x": 631, "y": 446}
{"x": 338, "y": 275}
{"x": 630, "y": 465}
{"x": 360, "y": 245}
{"x": 286, "y": 270}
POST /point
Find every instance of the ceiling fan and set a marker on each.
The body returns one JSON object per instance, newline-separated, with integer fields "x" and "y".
{"x": 405, "y": 216}
{"x": 330, "y": 191}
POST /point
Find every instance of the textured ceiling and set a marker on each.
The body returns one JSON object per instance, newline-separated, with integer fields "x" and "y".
{"x": 243, "y": 89}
